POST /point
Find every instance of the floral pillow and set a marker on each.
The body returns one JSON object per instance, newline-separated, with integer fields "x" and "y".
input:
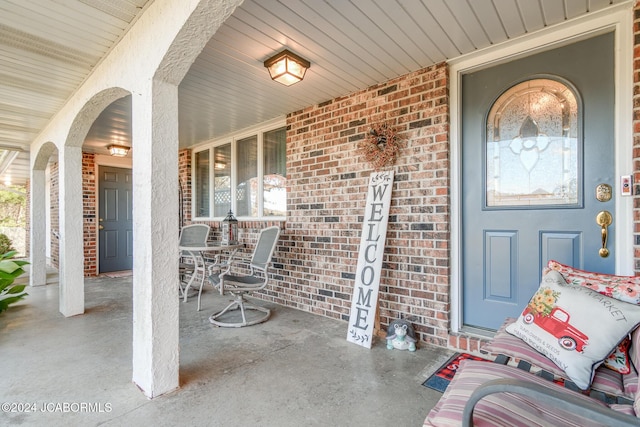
{"x": 624, "y": 288}
{"x": 618, "y": 360}
{"x": 573, "y": 326}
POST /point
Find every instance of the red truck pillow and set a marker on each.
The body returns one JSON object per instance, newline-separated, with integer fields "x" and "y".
{"x": 624, "y": 288}
{"x": 573, "y": 326}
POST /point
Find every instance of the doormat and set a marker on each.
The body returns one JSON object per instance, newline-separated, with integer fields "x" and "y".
{"x": 117, "y": 274}
{"x": 443, "y": 376}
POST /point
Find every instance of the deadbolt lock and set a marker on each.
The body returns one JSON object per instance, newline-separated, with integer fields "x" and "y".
{"x": 603, "y": 192}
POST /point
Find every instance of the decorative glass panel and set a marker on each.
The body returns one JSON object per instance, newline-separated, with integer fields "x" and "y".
{"x": 275, "y": 172}
{"x": 202, "y": 183}
{"x": 532, "y": 146}
{"x": 221, "y": 180}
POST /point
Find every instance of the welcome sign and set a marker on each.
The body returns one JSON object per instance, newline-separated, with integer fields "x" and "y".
{"x": 372, "y": 240}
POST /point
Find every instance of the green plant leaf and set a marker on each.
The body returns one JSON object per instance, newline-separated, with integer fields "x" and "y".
{"x": 4, "y": 283}
{"x": 8, "y": 255}
{"x": 9, "y": 271}
{"x": 16, "y": 289}
{"x": 4, "y": 303}
{"x": 8, "y": 266}
{"x": 7, "y": 276}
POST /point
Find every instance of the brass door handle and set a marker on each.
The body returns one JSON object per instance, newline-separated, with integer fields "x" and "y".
{"x": 100, "y": 227}
{"x": 604, "y": 220}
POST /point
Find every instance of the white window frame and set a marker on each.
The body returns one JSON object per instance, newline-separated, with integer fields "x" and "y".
{"x": 233, "y": 139}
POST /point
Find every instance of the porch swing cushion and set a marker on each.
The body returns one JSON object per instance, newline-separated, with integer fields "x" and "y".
{"x": 574, "y": 327}
{"x": 604, "y": 380}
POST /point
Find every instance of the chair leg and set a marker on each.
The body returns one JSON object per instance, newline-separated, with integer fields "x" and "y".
{"x": 199, "y": 294}
{"x": 240, "y": 303}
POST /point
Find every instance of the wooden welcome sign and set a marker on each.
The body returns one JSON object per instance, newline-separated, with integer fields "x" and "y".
{"x": 372, "y": 241}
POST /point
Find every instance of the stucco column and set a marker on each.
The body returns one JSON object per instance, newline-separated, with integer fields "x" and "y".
{"x": 38, "y": 229}
{"x": 71, "y": 271}
{"x": 155, "y": 239}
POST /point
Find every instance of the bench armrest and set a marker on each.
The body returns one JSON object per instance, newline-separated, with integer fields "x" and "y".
{"x": 548, "y": 396}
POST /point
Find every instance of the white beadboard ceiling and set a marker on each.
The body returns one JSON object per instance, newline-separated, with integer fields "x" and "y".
{"x": 48, "y": 48}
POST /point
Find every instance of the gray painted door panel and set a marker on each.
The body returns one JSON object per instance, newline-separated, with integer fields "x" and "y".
{"x": 504, "y": 250}
{"x": 115, "y": 217}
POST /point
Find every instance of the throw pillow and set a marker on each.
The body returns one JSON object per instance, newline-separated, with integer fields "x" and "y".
{"x": 624, "y": 288}
{"x": 618, "y": 360}
{"x": 573, "y": 326}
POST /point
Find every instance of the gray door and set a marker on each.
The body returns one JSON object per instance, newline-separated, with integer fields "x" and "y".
{"x": 115, "y": 221}
{"x": 537, "y": 140}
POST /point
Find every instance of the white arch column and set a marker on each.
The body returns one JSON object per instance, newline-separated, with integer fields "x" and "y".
{"x": 71, "y": 272}
{"x": 38, "y": 229}
{"x": 155, "y": 239}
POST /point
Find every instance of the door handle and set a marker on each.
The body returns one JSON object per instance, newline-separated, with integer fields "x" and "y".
{"x": 100, "y": 227}
{"x": 604, "y": 220}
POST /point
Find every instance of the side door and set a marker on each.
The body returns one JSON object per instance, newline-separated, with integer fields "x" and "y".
{"x": 115, "y": 222}
{"x": 537, "y": 160}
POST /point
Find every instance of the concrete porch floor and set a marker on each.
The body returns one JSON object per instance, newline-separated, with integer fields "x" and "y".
{"x": 297, "y": 369}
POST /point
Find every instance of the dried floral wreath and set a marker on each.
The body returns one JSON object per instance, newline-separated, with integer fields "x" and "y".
{"x": 380, "y": 147}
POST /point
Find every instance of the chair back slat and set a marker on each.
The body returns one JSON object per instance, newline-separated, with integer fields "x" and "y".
{"x": 265, "y": 247}
{"x": 194, "y": 234}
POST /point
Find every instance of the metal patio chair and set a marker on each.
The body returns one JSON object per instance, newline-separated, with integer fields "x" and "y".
{"x": 239, "y": 285}
{"x": 194, "y": 234}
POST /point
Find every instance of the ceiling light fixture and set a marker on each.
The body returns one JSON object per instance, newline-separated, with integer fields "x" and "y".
{"x": 286, "y": 67}
{"x": 118, "y": 150}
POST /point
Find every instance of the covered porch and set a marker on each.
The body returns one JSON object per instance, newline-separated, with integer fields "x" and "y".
{"x": 76, "y": 341}
{"x": 296, "y": 369}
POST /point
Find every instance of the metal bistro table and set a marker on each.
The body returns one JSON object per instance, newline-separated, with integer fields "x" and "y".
{"x": 197, "y": 253}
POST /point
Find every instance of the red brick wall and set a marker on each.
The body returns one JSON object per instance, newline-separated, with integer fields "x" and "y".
{"x": 89, "y": 206}
{"x": 27, "y": 228}
{"x": 636, "y": 134}
{"x": 184, "y": 175}
{"x": 54, "y": 209}
{"x": 327, "y": 185}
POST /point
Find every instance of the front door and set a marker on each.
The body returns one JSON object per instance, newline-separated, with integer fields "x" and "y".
{"x": 115, "y": 222}
{"x": 537, "y": 162}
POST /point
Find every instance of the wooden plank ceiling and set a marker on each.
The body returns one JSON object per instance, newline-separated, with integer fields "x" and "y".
{"x": 49, "y": 47}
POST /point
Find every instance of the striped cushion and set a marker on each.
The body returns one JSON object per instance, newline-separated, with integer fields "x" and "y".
{"x": 634, "y": 353}
{"x": 630, "y": 382}
{"x": 605, "y": 380}
{"x": 634, "y": 350}
{"x": 512, "y": 346}
{"x": 502, "y": 409}
{"x": 609, "y": 382}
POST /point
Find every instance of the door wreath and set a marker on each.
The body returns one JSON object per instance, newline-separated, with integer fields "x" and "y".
{"x": 381, "y": 145}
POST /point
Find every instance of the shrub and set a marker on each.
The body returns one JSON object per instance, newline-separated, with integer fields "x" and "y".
{"x": 6, "y": 245}
{"x": 10, "y": 270}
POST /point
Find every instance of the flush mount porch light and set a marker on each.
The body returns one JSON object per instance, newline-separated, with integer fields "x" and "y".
{"x": 286, "y": 67}
{"x": 118, "y": 150}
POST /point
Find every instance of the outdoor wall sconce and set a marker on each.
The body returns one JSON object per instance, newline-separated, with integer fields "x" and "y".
{"x": 118, "y": 150}
{"x": 286, "y": 67}
{"x": 229, "y": 229}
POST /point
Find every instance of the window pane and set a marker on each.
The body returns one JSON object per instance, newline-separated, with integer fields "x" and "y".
{"x": 275, "y": 172}
{"x": 222, "y": 180}
{"x": 532, "y": 146}
{"x": 247, "y": 168}
{"x": 202, "y": 183}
